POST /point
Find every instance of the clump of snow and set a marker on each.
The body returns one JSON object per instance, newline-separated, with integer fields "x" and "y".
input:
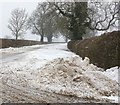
{"x": 76, "y": 77}
{"x": 113, "y": 73}
{"x": 114, "y": 99}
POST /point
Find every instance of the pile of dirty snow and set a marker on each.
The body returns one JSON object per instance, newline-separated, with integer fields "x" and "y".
{"x": 76, "y": 77}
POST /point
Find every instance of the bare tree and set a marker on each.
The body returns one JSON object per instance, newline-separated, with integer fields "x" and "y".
{"x": 42, "y": 21}
{"x": 17, "y": 22}
{"x": 96, "y": 16}
{"x": 37, "y": 20}
{"x": 76, "y": 13}
{"x": 103, "y": 15}
{"x": 119, "y": 15}
{"x": 50, "y": 28}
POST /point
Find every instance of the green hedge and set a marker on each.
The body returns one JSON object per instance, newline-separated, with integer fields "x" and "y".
{"x": 103, "y": 51}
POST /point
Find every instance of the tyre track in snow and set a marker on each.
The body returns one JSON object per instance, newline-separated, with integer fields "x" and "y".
{"x": 27, "y": 95}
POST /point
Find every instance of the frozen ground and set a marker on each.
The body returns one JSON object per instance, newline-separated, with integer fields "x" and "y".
{"x": 51, "y": 73}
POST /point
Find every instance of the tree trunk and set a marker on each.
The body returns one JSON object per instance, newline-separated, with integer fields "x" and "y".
{"x": 49, "y": 38}
{"x": 76, "y": 33}
{"x": 42, "y": 38}
{"x": 16, "y": 37}
{"x": 66, "y": 40}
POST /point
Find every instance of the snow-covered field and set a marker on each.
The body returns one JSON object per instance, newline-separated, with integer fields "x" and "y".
{"x": 51, "y": 73}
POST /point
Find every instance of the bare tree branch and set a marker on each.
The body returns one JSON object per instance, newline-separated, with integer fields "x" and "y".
{"x": 110, "y": 12}
{"x": 17, "y": 22}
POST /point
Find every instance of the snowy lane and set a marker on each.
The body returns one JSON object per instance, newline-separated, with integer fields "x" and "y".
{"x": 16, "y": 54}
{"x": 12, "y": 55}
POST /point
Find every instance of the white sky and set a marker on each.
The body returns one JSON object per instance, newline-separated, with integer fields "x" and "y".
{"x": 7, "y": 6}
{"x": 5, "y": 13}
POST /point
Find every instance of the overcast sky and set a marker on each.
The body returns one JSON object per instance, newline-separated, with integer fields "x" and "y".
{"x": 5, "y": 13}
{"x": 7, "y": 6}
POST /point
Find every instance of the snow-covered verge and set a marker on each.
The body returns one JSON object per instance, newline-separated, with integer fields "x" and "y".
{"x": 12, "y": 50}
{"x": 50, "y": 73}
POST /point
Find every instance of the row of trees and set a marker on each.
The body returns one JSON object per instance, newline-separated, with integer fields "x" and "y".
{"x": 73, "y": 19}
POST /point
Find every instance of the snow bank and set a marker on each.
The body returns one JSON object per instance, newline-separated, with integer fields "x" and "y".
{"x": 76, "y": 77}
